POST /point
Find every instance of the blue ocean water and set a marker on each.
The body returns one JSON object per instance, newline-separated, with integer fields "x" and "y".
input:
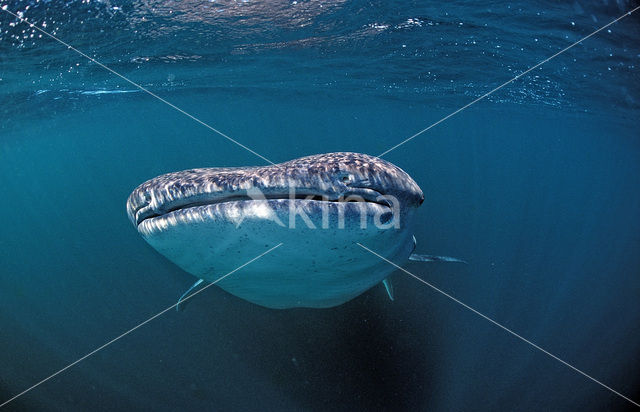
{"x": 535, "y": 186}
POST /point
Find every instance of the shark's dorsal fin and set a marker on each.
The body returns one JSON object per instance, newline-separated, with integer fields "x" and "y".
{"x": 431, "y": 258}
{"x": 184, "y": 295}
{"x": 388, "y": 287}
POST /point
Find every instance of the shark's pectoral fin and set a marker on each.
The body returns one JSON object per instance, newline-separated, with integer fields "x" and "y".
{"x": 180, "y": 305}
{"x": 432, "y": 258}
{"x": 388, "y": 287}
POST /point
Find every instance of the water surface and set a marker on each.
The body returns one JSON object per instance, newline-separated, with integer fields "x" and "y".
{"x": 536, "y": 186}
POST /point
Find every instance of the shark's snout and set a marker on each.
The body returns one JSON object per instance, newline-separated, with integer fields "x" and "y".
{"x": 334, "y": 177}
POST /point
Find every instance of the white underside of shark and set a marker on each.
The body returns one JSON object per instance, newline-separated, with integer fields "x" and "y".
{"x": 315, "y": 267}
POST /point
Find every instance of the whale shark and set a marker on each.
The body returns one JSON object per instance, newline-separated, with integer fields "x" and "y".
{"x": 209, "y": 221}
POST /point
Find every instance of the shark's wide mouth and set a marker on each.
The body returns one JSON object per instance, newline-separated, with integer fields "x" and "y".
{"x": 365, "y": 195}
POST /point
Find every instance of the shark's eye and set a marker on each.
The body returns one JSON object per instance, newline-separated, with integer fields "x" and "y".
{"x": 345, "y": 178}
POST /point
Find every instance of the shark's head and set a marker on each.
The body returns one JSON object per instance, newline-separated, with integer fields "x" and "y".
{"x": 213, "y": 219}
{"x": 332, "y": 177}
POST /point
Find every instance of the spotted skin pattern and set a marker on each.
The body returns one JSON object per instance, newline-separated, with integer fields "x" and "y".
{"x": 331, "y": 175}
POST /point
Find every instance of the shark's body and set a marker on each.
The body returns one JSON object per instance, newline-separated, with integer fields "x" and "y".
{"x": 211, "y": 221}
